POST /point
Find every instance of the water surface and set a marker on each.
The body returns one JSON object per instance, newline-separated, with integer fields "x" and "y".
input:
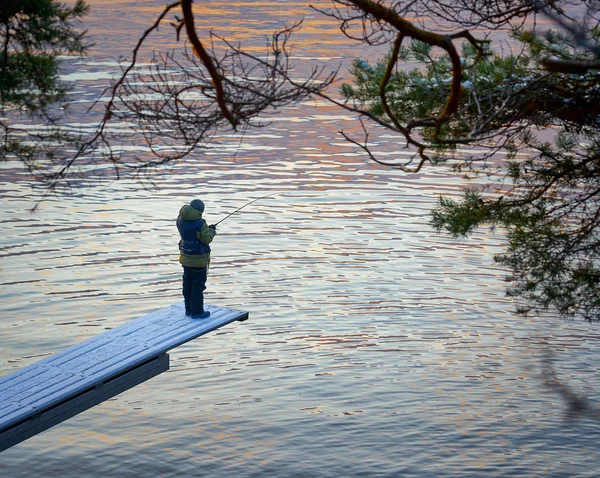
{"x": 374, "y": 346}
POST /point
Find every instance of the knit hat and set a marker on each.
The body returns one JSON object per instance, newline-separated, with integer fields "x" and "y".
{"x": 197, "y": 205}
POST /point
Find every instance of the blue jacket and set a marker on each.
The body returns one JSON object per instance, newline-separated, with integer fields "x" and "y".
{"x": 195, "y": 238}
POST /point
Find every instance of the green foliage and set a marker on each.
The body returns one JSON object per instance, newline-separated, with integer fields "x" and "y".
{"x": 30, "y": 82}
{"x": 33, "y": 34}
{"x": 423, "y": 91}
{"x": 551, "y": 215}
{"x": 546, "y": 195}
{"x": 461, "y": 219}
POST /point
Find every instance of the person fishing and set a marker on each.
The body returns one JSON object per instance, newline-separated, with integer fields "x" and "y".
{"x": 194, "y": 256}
{"x": 194, "y": 253}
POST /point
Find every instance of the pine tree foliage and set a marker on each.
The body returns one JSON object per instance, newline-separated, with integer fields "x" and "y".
{"x": 540, "y": 131}
{"x": 33, "y": 34}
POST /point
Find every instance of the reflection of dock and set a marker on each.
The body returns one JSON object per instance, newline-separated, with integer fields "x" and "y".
{"x": 59, "y": 387}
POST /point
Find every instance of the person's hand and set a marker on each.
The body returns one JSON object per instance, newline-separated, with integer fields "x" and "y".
{"x": 213, "y": 227}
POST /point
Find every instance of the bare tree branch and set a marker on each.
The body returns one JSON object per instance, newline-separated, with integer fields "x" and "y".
{"x": 188, "y": 17}
{"x": 177, "y": 105}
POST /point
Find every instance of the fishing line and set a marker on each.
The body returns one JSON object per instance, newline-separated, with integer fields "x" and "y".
{"x": 247, "y": 204}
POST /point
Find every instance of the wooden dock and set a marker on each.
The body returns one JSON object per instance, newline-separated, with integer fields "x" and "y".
{"x": 59, "y": 387}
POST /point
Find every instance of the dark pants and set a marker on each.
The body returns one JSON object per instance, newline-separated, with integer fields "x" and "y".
{"x": 194, "y": 284}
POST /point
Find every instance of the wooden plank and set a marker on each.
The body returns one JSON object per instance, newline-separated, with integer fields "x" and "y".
{"x": 85, "y": 369}
{"x": 47, "y": 418}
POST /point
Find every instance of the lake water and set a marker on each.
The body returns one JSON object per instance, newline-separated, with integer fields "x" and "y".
{"x": 375, "y": 347}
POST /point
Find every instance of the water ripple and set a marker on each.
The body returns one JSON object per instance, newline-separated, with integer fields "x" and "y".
{"x": 375, "y": 347}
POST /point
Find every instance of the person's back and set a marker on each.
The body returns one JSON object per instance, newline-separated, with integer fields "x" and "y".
{"x": 194, "y": 256}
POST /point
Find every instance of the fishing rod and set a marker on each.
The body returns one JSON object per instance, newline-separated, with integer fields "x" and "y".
{"x": 247, "y": 204}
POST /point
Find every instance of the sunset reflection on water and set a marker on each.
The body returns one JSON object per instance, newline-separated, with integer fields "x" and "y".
{"x": 375, "y": 347}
